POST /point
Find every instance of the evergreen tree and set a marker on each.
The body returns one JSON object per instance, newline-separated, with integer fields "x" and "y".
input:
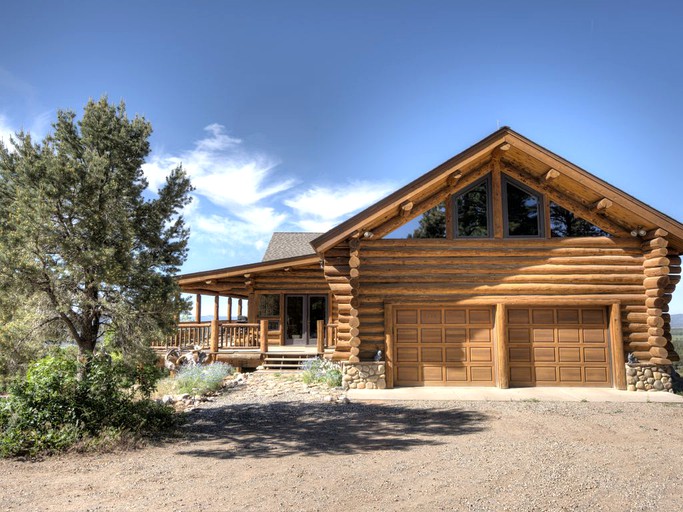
{"x": 81, "y": 239}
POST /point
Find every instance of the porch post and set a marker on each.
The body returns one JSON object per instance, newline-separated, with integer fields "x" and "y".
{"x": 263, "y": 336}
{"x": 239, "y": 307}
{"x": 320, "y": 333}
{"x": 214, "y": 326}
{"x": 198, "y": 308}
{"x": 229, "y": 309}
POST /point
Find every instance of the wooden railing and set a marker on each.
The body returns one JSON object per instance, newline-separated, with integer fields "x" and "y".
{"x": 189, "y": 334}
{"x": 239, "y": 336}
{"x": 217, "y": 335}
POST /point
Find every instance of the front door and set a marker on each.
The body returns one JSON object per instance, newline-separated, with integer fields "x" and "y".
{"x": 302, "y": 313}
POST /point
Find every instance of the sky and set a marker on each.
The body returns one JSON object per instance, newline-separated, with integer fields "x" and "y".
{"x": 292, "y": 116}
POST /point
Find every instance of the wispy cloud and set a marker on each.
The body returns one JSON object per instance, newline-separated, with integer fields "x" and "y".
{"x": 321, "y": 208}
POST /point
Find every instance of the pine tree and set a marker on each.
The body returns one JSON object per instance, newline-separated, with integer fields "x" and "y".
{"x": 432, "y": 223}
{"x": 82, "y": 239}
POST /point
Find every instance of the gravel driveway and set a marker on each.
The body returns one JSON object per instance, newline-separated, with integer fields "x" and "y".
{"x": 274, "y": 445}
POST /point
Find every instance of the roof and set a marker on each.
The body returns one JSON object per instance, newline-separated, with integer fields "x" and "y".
{"x": 627, "y": 212}
{"x": 284, "y": 245}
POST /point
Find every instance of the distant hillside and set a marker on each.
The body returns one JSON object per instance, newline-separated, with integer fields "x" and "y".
{"x": 677, "y": 321}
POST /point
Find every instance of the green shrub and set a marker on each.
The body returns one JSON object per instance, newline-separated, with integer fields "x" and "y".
{"x": 196, "y": 379}
{"x": 61, "y": 402}
{"x": 320, "y": 370}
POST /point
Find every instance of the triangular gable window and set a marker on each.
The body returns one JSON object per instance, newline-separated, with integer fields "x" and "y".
{"x": 522, "y": 210}
{"x": 431, "y": 224}
{"x": 564, "y": 223}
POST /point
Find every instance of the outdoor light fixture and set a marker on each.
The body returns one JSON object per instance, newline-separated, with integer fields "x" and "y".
{"x": 639, "y": 231}
{"x": 368, "y": 234}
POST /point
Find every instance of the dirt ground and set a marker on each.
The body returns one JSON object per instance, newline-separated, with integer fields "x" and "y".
{"x": 273, "y": 444}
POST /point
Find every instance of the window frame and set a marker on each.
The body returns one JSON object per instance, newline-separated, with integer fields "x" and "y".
{"x": 489, "y": 209}
{"x": 540, "y": 219}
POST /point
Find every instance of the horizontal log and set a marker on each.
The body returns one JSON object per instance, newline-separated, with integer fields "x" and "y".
{"x": 655, "y": 321}
{"x": 502, "y": 267}
{"x": 655, "y": 243}
{"x": 655, "y": 302}
{"x": 637, "y": 328}
{"x": 353, "y": 359}
{"x": 673, "y": 356}
{"x": 654, "y": 292}
{"x": 656, "y": 262}
{"x": 654, "y": 312}
{"x": 502, "y": 251}
{"x": 637, "y": 317}
{"x": 354, "y": 351}
{"x": 656, "y": 282}
{"x": 635, "y": 309}
{"x": 638, "y": 346}
{"x": 660, "y": 360}
{"x": 505, "y": 288}
{"x": 636, "y": 280}
{"x": 355, "y": 342}
{"x": 657, "y": 341}
{"x": 674, "y": 279}
{"x": 642, "y": 356}
{"x": 638, "y": 337}
{"x": 655, "y": 331}
{"x": 656, "y": 253}
{"x": 656, "y": 233}
{"x": 674, "y": 260}
{"x": 656, "y": 271}
{"x": 659, "y": 352}
{"x": 571, "y": 242}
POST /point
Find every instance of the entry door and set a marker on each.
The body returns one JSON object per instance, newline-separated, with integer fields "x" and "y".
{"x": 302, "y": 313}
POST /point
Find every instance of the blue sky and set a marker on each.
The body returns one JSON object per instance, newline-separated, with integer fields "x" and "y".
{"x": 294, "y": 115}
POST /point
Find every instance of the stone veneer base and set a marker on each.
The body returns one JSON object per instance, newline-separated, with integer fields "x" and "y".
{"x": 364, "y": 375}
{"x": 648, "y": 377}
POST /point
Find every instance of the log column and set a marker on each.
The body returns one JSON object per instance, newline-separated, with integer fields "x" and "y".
{"x": 338, "y": 276}
{"x": 214, "y": 326}
{"x": 658, "y": 295}
{"x": 354, "y": 321}
{"x": 198, "y": 308}
{"x": 229, "y": 312}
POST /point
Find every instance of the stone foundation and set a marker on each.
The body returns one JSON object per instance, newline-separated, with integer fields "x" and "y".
{"x": 364, "y": 375}
{"x": 648, "y": 377}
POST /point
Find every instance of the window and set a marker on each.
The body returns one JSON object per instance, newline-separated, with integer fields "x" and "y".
{"x": 522, "y": 210}
{"x": 565, "y": 223}
{"x": 471, "y": 210}
{"x": 269, "y": 305}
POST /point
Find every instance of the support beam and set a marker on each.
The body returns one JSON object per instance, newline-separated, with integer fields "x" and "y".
{"x": 502, "y": 356}
{"x": 453, "y": 178}
{"x": 618, "y": 363}
{"x": 405, "y": 208}
{"x": 215, "y": 307}
{"x": 229, "y": 312}
{"x": 263, "y": 336}
{"x": 602, "y": 205}
{"x": 198, "y": 308}
{"x": 551, "y": 175}
{"x": 239, "y": 307}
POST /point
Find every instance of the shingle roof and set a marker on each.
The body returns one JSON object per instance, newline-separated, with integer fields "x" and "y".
{"x": 289, "y": 245}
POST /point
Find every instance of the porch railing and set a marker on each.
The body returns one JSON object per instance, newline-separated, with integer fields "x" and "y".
{"x": 224, "y": 335}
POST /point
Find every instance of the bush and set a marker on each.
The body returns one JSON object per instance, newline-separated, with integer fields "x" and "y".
{"x": 61, "y": 402}
{"x": 322, "y": 370}
{"x": 197, "y": 379}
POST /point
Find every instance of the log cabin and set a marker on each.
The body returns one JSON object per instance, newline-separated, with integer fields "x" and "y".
{"x": 541, "y": 274}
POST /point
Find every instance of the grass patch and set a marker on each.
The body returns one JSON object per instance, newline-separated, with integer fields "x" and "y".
{"x": 321, "y": 370}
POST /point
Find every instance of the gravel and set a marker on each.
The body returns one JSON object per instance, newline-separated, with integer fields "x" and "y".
{"x": 277, "y": 444}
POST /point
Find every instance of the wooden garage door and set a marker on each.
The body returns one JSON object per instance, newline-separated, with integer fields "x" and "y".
{"x": 558, "y": 347}
{"x": 443, "y": 346}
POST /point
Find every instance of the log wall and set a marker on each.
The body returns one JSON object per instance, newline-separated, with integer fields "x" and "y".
{"x": 566, "y": 270}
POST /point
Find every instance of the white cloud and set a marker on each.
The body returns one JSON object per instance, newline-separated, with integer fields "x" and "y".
{"x": 321, "y": 208}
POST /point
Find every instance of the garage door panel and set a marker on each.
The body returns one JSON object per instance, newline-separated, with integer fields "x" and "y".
{"x": 456, "y": 374}
{"x": 406, "y": 355}
{"x": 569, "y": 354}
{"x": 404, "y": 335}
{"x": 519, "y": 354}
{"x": 431, "y": 335}
{"x": 432, "y": 373}
{"x": 546, "y": 374}
{"x": 481, "y": 374}
{"x": 455, "y": 316}
{"x": 570, "y": 374}
{"x": 567, "y": 347}
{"x": 441, "y": 346}
{"x": 408, "y": 374}
{"x": 406, "y": 316}
{"x": 456, "y": 335}
{"x": 430, "y": 316}
{"x": 544, "y": 354}
{"x": 597, "y": 375}
{"x": 593, "y": 336}
{"x": 481, "y": 355}
{"x": 594, "y": 355}
{"x": 480, "y": 334}
{"x": 432, "y": 355}
{"x": 456, "y": 354}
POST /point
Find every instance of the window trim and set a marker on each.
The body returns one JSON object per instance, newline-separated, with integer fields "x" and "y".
{"x": 489, "y": 209}
{"x": 540, "y": 219}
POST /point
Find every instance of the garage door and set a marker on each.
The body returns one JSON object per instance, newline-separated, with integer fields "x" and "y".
{"x": 443, "y": 346}
{"x": 558, "y": 347}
